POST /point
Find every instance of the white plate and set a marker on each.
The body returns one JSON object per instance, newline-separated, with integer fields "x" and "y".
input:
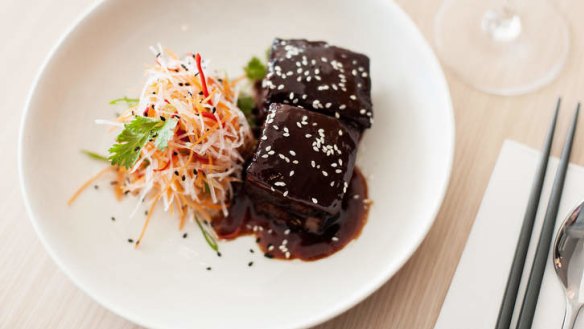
{"x": 407, "y": 157}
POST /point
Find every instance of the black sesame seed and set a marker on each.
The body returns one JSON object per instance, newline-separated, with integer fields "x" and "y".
{"x": 96, "y": 187}
{"x": 126, "y": 192}
{"x": 175, "y": 153}
{"x": 201, "y": 93}
{"x": 218, "y": 254}
{"x": 195, "y": 171}
{"x": 258, "y": 240}
{"x": 209, "y": 268}
{"x": 180, "y": 84}
{"x": 162, "y": 118}
{"x": 131, "y": 240}
{"x": 185, "y": 235}
{"x": 184, "y": 67}
{"x": 250, "y": 264}
{"x": 183, "y": 178}
{"x": 146, "y": 212}
{"x": 176, "y": 173}
{"x": 251, "y": 251}
{"x": 113, "y": 219}
{"x": 267, "y": 255}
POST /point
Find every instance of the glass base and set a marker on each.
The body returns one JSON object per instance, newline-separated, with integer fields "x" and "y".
{"x": 504, "y": 50}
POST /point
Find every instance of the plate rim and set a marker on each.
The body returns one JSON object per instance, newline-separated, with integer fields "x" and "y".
{"x": 318, "y": 318}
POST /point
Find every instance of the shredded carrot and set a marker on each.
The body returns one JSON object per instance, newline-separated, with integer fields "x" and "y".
{"x": 87, "y": 184}
{"x": 147, "y": 221}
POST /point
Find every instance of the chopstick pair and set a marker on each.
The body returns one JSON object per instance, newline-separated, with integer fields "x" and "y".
{"x": 536, "y": 274}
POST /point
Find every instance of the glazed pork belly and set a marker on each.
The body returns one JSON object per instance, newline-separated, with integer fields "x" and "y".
{"x": 320, "y": 77}
{"x": 302, "y": 166}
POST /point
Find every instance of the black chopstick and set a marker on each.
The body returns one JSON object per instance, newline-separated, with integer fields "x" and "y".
{"x": 545, "y": 238}
{"x": 514, "y": 279}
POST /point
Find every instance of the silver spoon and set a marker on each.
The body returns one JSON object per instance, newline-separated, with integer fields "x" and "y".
{"x": 568, "y": 258}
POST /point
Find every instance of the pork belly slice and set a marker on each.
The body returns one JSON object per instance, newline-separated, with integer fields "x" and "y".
{"x": 320, "y": 77}
{"x": 302, "y": 166}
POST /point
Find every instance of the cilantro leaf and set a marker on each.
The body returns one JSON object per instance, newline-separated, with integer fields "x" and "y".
{"x": 165, "y": 134}
{"x": 128, "y": 101}
{"x": 255, "y": 70}
{"x": 132, "y": 139}
{"x": 95, "y": 156}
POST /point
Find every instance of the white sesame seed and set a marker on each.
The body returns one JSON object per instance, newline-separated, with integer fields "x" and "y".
{"x": 364, "y": 75}
{"x": 340, "y": 132}
{"x": 275, "y": 127}
{"x": 279, "y": 184}
{"x": 298, "y": 124}
{"x": 285, "y": 193}
{"x": 353, "y": 97}
{"x": 335, "y": 239}
{"x": 337, "y": 115}
{"x": 312, "y": 163}
{"x": 362, "y": 111}
{"x": 338, "y": 171}
{"x": 270, "y": 248}
{"x": 304, "y": 96}
{"x": 280, "y": 87}
{"x": 287, "y": 254}
{"x": 268, "y": 148}
{"x": 292, "y": 153}
{"x": 287, "y": 231}
{"x": 308, "y": 135}
{"x": 342, "y": 107}
{"x": 295, "y": 162}
{"x": 291, "y": 96}
{"x": 265, "y": 156}
{"x": 285, "y": 242}
{"x": 291, "y": 172}
{"x": 314, "y": 200}
{"x": 324, "y": 173}
{"x": 332, "y": 184}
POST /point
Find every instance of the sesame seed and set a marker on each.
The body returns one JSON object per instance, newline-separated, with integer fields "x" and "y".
{"x": 324, "y": 173}
{"x": 287, "y": 232}
{"x": 337, "y": 115}
{"x": 340, "y": 132}
{"x": 312, "y": 163}
{"x": 291, "y": 173}
{"x": 292, "y": 153}
{"x": 208, "y": 268}
{"x": 250, "y": 264}
{"x": 353, "y": 97}
{"x": 287, "y": 254}
{"x": 285, "y": 242}
{"x": 335, "y": 239}
{"x": 280, "y": 184}
{"x": 285, "y": 193}
{"x": 280, "y": 87}
{"x": 314, "y": 200}
{"x": 338, "y": 171}
{"x": 362, "y": 111}
{"x": 291, "y": 95}
{"x": 342, "y": 107}
{"x": 270, "y": 247}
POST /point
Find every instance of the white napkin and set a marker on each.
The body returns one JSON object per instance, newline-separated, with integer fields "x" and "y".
{"x": 476, "y": 290}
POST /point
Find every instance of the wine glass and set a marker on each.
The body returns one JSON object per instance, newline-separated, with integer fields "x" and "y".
{"x": 504, "y": 47}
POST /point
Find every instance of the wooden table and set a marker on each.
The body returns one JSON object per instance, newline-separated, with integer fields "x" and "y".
{"x": 35, "y": 294}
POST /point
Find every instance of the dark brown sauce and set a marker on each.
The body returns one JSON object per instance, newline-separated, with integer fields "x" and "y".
{"x": 277, "y": 240}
